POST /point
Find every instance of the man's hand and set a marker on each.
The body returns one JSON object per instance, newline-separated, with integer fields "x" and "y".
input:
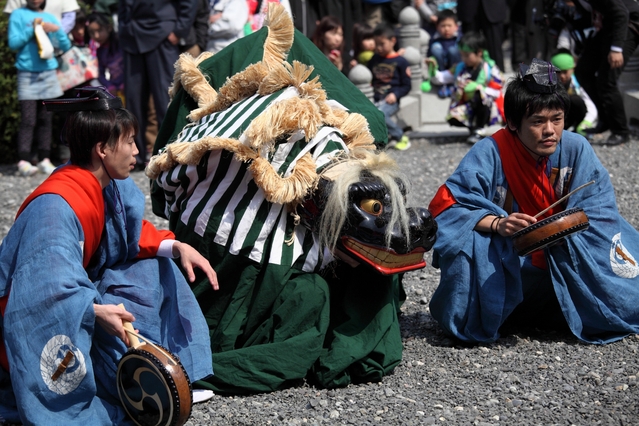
{"x": 173, "y": 39}
{"x": 615, "y": 59}
{"x": 192, "y": 258}
{"x": 512, "y": 223}
{"x": 390, "y": 98}
{"x": 110, "y": 318}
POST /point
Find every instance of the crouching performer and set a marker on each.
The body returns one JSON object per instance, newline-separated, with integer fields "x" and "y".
{"x": 77, "y": 249}
{"x": 587, "y": 281}
{"x": 273, "y": 177}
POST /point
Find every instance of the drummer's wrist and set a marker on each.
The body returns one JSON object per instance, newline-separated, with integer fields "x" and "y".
{"x": 494, "y": 225}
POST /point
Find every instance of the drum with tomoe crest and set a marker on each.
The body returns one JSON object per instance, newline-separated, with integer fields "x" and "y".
{"x": 153, "y": 386}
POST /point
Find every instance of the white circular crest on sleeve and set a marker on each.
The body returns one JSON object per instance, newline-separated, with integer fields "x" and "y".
{"x": 622, "y": 262}
{"x": 52, "y": 355}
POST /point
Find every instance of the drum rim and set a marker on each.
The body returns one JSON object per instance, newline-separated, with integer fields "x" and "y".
{"x": 546, "y": 220}
{"x": 168, "y": 378}
{"x": 554, "y": 238}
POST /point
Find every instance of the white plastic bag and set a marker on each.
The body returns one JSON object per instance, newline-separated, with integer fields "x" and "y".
{"x": 45, "y": 48}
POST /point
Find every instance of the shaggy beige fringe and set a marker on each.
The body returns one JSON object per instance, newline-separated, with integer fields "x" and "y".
{"x": 308, "y": 112}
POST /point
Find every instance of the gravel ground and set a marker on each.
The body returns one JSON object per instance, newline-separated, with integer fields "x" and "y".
{"x": 529, "y": 377}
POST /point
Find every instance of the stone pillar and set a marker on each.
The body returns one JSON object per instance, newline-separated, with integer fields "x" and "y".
{"x": 410, "y": 106}
{"x": 415, "y": 63}
{"x": 424, "y": 39}
{"x": 409, "y": 28}
{"x": 362, "y": 77}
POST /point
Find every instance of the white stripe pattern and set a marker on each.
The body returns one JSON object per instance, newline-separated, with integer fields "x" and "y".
{"x": 248, "y": 221}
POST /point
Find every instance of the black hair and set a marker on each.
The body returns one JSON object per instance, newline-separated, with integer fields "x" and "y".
{"x": 80, "y": 17}
{"x": 384, "y": 30}
{"x": 85, "y": 129}
{"x": 473, "y": 40}
{"x": 104, "y": 20}
{"x": 325, "y": 25}
{"x": 520, "y": 102}
{"x": 442, "y": 15}
{"x": 361, "y": 32}
{"x": 80, "y": 22}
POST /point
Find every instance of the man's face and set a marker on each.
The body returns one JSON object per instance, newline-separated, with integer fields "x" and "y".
{"x": 541, "y": 132}
{"x": 384, "y": 45}
{"x": 121, "y": 160}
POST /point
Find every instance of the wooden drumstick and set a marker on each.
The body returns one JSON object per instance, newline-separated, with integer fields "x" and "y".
{"x": 134, "y": 338}
{"x": 563, "y": 198}
{"x": 134, "y": 342}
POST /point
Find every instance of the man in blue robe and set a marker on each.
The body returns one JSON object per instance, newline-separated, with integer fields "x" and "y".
{"x": 588, "y": 281}
{"x": 79, "y": 247}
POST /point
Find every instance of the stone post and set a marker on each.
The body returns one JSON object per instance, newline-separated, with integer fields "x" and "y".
{"x": 424, "y": 39}
{"x": 414, "y": 59}
{"x": 409, "y": 28}
{"x": 410, "y": 106}
{"x": 362, "y": 77}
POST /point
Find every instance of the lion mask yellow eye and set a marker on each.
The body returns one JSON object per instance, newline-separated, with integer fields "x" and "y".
{"x": 371, "y": 206}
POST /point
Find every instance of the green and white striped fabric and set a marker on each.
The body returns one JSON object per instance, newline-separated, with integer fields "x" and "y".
{"x": 217, "y": 199}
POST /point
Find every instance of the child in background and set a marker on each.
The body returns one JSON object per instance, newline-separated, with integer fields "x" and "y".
{"x": 443, "y": 46}
{"x": 477, "y": 100}
{"x": 391, "y": 82}
{"x": 329, "y": 38}
{"x": 78, "y": 33}
{"x": 37, "y": 80}
{"x": 363, "y": 44}
{"x": 110, "y": 58}
{"x": 583, "y": 112}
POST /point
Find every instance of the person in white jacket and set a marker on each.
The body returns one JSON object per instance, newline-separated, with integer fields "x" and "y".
{"x": 226, "y": 23}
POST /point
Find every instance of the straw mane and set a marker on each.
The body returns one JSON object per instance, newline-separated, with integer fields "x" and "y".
{"x": 308, "y": 112}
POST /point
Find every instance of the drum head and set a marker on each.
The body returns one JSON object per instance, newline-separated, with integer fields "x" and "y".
{"x": 550, "y": 231}
{"x": 147, "y": 390}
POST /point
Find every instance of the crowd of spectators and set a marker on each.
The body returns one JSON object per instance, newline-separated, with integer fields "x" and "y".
{"x": 136, "y": 44}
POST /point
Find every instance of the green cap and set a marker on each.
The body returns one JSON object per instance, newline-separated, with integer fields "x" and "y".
{"x": 563, "y": 61}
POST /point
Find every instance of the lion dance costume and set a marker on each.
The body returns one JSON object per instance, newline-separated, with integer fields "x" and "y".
{"x": 262, "y": 165}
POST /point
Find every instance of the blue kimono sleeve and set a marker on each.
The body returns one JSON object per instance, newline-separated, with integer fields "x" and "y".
{"x": 49, "y": 314}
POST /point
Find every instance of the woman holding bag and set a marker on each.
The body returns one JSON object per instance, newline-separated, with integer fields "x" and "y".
{"x": 33, "y": 34}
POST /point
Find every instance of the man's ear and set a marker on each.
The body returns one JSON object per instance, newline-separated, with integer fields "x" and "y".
{"x": 511, "y": 126}
{"x": 100, "y": 150}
